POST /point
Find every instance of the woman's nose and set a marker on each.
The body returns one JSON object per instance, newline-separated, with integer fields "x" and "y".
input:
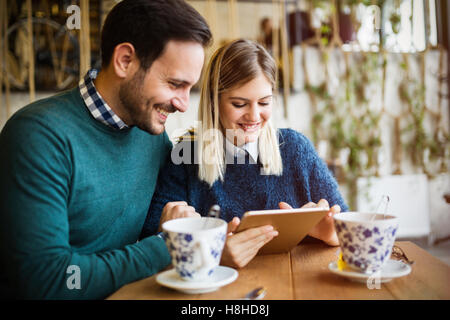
{"x": 253, "y": 113}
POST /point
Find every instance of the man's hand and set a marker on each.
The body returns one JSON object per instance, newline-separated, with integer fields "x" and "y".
{"x": 240, "y": 248}
{"x": 175, "y": 210}
{"x": 324, "y": 230}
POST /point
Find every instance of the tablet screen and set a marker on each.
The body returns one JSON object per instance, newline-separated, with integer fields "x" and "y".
{"x": 292, "y": 226}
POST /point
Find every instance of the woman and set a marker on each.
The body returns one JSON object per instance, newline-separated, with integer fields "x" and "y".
{"x": 236, "y": 159}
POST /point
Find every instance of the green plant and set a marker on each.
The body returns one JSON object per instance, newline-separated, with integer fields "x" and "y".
{"x": 422, "y": 145}
{"x": 347, "y": 121}
{"x": 395, "y": 20}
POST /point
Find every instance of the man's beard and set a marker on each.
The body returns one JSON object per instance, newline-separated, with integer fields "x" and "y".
{"x": 133, "y": 101}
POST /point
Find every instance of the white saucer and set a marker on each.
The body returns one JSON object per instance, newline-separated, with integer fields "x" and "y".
{"x": 392, "y": 269}
{"x": 220, "y": 277}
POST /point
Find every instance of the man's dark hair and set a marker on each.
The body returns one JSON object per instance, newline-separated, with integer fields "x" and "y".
{"x": 148, "y": 25}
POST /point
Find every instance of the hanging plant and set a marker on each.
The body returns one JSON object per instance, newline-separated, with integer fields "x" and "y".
{"x": 347, "y": 122}
{"x": 352, "y": 128}
{"x": 395, "y": 20}
{"x": 421, "y": 146}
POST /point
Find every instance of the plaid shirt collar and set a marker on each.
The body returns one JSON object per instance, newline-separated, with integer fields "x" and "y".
{"x": 98, "y": 107}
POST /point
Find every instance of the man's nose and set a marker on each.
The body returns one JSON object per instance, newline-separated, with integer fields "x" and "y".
{"x": 181, "y": 102}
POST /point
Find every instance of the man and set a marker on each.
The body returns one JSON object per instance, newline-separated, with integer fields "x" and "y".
{"x": 78, "y": 170}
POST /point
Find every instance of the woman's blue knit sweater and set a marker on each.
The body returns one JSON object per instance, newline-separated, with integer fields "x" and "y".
{"x": 305, "y": 178}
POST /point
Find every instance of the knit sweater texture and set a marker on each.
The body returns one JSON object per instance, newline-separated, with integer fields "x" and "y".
{"x": 305, "y": 178}
{"x": 74, "y": 195}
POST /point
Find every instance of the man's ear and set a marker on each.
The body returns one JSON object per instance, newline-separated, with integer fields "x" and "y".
{"x": 124, "y": 59}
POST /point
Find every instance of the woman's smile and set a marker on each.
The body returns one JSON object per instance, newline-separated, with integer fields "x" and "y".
{"x": 250, "y": 127}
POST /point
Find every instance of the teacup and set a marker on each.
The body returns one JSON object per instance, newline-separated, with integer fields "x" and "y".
{"x": 195, "y": 245}
{"x": 366, "y": 239}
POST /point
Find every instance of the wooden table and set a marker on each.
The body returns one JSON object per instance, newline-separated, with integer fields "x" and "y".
{"x": 303, "y": 274}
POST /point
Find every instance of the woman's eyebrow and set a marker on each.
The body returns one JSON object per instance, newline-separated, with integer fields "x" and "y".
{"x": 240, "y": 98}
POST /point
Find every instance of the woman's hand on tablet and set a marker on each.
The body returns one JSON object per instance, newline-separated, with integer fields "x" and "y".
{"x": 240, "y": 248}
{"x": 324, "y": 230}
{"x": 175, "y": 210}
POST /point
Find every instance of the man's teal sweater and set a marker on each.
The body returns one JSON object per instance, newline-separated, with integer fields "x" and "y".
{"x": 74, "y": 195}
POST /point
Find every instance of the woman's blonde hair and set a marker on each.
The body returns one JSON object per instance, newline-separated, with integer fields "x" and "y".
{"x": 232, "y": 65}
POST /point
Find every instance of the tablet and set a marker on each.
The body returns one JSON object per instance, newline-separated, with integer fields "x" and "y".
{"x": 292, "y": 226}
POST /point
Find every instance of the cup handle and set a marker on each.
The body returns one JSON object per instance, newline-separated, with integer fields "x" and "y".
{"x": 207, "y": 260}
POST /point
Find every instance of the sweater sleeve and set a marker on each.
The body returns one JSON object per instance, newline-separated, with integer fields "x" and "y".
{"x": 36, "y": 258}
{"x": 171, "y": 186}
{"x": 315, "y": 174}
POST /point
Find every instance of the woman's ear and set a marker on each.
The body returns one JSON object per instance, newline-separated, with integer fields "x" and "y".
{"x": 124, "y": 59}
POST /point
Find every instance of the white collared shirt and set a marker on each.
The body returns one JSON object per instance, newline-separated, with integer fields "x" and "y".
{"x": 233, "y": 151}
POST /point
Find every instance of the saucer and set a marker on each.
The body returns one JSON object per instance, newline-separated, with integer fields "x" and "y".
{"x": 391, "y": 270}
{"x": 220, "y": 277}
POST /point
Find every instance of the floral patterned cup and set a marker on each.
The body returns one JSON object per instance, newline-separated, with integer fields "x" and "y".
{"x": 195, "y": 245}
{"x": 366, "y": 239}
